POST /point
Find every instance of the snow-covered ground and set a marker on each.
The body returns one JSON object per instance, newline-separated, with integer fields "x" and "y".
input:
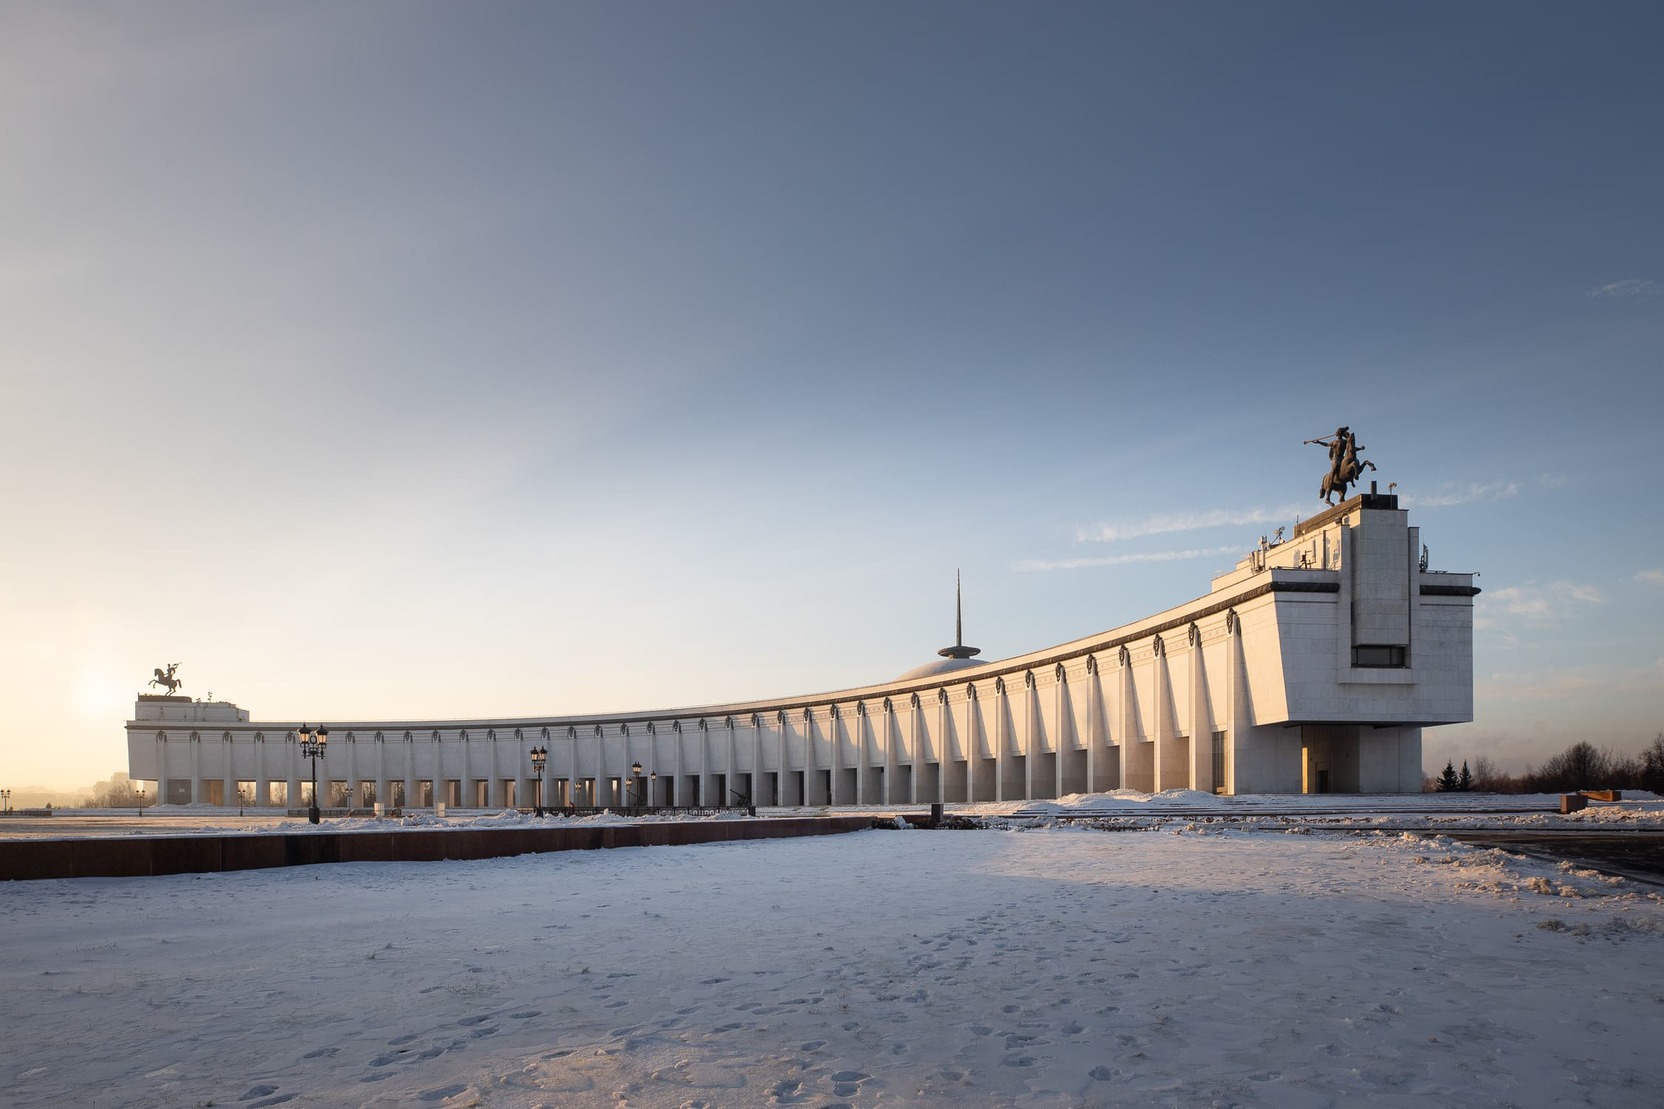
{"x": 1196, "y": 964}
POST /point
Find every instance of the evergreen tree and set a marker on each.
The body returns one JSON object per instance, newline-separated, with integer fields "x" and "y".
{"x": 1464, "y": 781}
{"x": 1448, "y": 780}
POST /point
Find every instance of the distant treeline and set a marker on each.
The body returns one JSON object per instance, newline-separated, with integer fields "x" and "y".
{"x": 1580, "y": 766}
{"x": 116, "y": 793}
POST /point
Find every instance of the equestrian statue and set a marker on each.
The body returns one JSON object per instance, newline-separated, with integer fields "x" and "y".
{"x": 1345, "y": 467}
{"x": 166, "y": 680}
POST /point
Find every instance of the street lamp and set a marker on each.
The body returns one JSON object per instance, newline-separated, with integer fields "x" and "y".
{"x": 138, "y": 809}
{"x": 312, "y": 744}
{"x": 635, "y": 784}
{"x": 5, "y": 801}
{"x": 540, "y": 756}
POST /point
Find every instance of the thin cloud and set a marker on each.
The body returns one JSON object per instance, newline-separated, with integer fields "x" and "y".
{"x": 1173, "y": 522}
{"x": 1551, "y": 685}
{"x": 1650, "y": 577}
{"x": 1471, "y": 493}
{"x": 1642, "y": 680}
{"x": 1553, "y": 481}
{"x": 1539, "y": 686}
{"x": 1629, "y": 287}
{"x": 1539, "y": 603}
{"x": 1036, "y": 565}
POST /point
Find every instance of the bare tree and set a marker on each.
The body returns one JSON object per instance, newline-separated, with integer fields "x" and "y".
{"x": 1488, "y": 779}
{"x": 1652, "y": 765}
{"x": 116, "y": 793}
{"x": 1580, "y": 766}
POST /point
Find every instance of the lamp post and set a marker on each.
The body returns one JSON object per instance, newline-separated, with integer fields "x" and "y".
{"x": 635, "y": 784}
{"x": 540, "y": 756}
{"x": 138, "y": 809}
{"x": 5, "y": 801}
{"x": 313, "y": 741}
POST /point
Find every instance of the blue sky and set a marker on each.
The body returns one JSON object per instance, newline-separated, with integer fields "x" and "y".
{"x": 408, "y": 360}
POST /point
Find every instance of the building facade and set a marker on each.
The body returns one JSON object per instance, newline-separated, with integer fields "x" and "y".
{"x": 1312, "y": 667}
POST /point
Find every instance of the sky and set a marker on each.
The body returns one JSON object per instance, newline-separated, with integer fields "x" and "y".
{"x": 412, "y": 360}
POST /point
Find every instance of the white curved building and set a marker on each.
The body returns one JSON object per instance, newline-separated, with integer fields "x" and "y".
{"x": 1311, "y": 667}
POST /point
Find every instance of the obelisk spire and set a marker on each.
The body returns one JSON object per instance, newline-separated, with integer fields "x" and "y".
{"x": 958, "y": 611}
{"x": 959, "y": 650}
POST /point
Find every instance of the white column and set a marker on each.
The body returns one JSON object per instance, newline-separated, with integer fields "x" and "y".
{"x": 912, "y": 749}
{"x": 1001, "y": 741}
{"x": 439, "y": 771}
{"x": 291, "y": 757}
{"x": 1201, "y": 723}
{"x": 572, "y": 768}
{"x": 228, "y": 774}
{"x": 525, "y": 792}
{"x": 1093, "y": 727}
{"x": 409, "y": 742}
{"x": 1233, "y": 697}
{"x": 161, "y": 770}
{"x": 1162, "y": 731}
{"x": 495, "y": 793}
{"x": 679, "y": 793}
{"x": 1025, "y": 743}
{"x": 732, "y": 778}
{"x": 1063, "y": 738}
{"x": 863, "y": 755}
{"x": 354, "y": 786}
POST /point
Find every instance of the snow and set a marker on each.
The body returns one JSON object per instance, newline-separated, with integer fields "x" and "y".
{"x": 1196, "y": 962}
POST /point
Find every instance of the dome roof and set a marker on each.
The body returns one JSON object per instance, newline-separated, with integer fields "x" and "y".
{"x": 956, "y": 657}
{"x": 942, "y": 666}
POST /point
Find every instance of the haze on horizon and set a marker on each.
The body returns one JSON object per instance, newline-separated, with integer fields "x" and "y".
{"x": 429, "y": 360}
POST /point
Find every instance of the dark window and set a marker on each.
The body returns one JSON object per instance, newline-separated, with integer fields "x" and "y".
{"x": 1378, "y": 656}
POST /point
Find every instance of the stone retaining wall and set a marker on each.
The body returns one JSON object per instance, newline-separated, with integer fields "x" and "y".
{"x": 130, "y": 857}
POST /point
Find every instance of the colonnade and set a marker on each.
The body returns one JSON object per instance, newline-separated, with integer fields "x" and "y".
{"x": 1156, "y": 711}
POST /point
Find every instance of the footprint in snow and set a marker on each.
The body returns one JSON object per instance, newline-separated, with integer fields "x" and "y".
{"x": 440, "y": 1093}
{"x": 847, "y": 1083}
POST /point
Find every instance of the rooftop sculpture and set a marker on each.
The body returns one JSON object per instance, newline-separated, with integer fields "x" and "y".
{"x": 166, "y": 680}
{"x": 1345, "y": 467}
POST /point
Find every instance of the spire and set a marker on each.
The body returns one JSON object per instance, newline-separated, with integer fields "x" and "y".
{"x": 958, "y": 611}
{"x": 959, "y": 650}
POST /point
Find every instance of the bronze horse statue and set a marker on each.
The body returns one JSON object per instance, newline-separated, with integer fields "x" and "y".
{"x": 166, "y": 680}
{"x": 1345, "y": 467}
